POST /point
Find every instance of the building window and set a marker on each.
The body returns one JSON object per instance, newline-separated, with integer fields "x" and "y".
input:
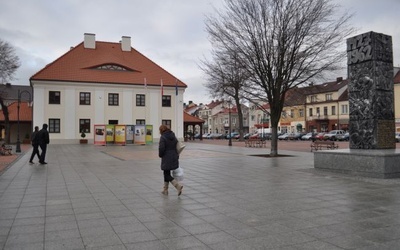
{"x": 291, "y": 113}
{"x": 333, "y": 110}
{"x": 54, "y": 97}
{"x": 301, "y": 113}
{"x": 166, "y": 101}
{"x": 54, "y": 125}
{"x": 140, "y": 122}
{"x": 310, "y": 111}
{"x": 318, "y": 113}
{"x": 166, "y": 123}
{"x": 84, "y": 125}
{"x": 84, "y": 98}
{"x": 345, "y": 109}
{"x": 328, "y": 97}
{"x": 113, "y": 99}
{"x": 313, "y": 98}
{"x": 140, "y": 100}
{"x": 325, "y": 110}
{"x": 114, "y": 122}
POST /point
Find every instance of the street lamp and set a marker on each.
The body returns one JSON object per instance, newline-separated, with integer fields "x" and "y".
{"x": 230, "y": 125}
{"x": 18, "y": 148}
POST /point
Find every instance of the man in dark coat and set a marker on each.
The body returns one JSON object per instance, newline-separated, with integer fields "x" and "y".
{"x": 35, "y": 144}
{"x": 169, "y": 158}
{"x": 44, "y": 139}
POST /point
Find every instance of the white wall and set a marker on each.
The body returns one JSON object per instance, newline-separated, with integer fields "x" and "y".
{"x": 69, "y": 111}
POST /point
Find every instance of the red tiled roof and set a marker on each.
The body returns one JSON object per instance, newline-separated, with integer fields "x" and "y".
{"x": 190, "y": 118}
{"x": 78, "y": 65}
{"x": 25, "y": 112}
{"x": 397, "y": 77}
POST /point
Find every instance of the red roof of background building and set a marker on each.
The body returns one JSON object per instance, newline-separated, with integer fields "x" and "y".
{"x": 190, "y": 118}
{"x": 25, "y": 112}
{"x": 79, "y": 65}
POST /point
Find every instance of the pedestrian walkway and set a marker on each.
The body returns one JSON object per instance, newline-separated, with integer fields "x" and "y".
{"x": 109, "y": 197}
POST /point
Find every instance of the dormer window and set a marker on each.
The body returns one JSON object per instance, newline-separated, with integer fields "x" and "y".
{"x": 112, "y": 67}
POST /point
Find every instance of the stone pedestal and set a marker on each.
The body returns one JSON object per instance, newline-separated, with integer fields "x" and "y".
{"x": 382, "y": 163}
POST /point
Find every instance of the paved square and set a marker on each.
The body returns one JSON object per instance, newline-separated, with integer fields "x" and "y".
{"x": 108, "y": 197}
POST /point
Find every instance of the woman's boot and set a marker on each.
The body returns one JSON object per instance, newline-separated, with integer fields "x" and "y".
{"x": 165, "y": 189}
{"x": 178, "y": 186}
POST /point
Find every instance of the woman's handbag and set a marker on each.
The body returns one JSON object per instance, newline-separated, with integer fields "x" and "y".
{"x": 180, "y": 146}
{"x": 178, "y": 174}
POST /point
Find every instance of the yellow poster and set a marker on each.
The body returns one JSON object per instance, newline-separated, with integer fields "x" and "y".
{"x": 120, "y": 134}
{"x": 109, "y": 133}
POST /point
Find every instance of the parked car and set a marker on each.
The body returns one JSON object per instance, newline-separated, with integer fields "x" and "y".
{"x": 344, "y": 137}
{"x": 295, "y": 136}
{"x": 319, "y": 136}
{"x": 247, "y": 136}
{"x": 232, "y": 135}
{"x": 397, "y": 136}
{"x": 333, "y": 134}
{"x": 307, "y": 136}
{"x": 197, "y": 136}
{"x": 205, "y": 135}
{"x": 216, "y": 136}
{"x": 264, "y": 136}
{"x": 283, "y": 136}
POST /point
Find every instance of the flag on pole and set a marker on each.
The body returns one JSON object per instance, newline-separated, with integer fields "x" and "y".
{"x": 145, "y": 83}
{"x": 162, "y": 88}
{"x": 176, "y": 87}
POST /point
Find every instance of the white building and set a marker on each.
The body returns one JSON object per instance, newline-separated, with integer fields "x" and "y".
{"x": 105, "y": 83}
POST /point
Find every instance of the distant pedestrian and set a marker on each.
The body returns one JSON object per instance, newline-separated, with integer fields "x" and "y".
{"x": 44, "y": 139}
{"x": 35, "y": 144}
{"x": 169, "y": 158}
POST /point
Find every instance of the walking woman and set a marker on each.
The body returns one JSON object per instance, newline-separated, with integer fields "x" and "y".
{"x": 169, "y": 158}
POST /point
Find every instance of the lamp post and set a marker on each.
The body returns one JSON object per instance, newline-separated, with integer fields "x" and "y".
{"x": 230, "y": 125}
{"x": 18, "y": 148}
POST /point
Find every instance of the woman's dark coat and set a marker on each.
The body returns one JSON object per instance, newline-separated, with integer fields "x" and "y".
{"x": 167, "y": 151}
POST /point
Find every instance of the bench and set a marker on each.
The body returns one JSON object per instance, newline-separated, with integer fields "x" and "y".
{"x": 319, "y": 145}
{"x": 6, "y": 150}
{"x": 255, "y": 143}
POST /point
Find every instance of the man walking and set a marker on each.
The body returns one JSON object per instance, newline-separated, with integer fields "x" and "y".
{"x": 35, "y": 144}
{"x": 43, "y": 137}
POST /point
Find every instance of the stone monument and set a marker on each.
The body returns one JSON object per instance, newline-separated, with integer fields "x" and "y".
{"x": 372, "y": 147}
{"x": 371, "y": 98}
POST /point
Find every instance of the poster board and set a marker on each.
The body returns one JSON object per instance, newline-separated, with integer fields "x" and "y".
{"x": 130, "y": 130}
{"x": 140, "y": 135}
{"x": 149, "y": 134}
{"x": 110, "y": 134}
{"x": 100, "y": 134}
{"x": 119, "y": 137}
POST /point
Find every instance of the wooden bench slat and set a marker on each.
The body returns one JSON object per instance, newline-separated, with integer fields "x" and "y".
{"x": 318, "y": 145}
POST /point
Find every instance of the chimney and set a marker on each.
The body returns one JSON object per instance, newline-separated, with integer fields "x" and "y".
{"x": 339, "y": 79}
{"x": 89, "y": 41}
{"x": 126, "y": 43}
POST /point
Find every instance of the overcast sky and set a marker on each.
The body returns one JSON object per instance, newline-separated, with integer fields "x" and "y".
{"x": 169, "y": 32}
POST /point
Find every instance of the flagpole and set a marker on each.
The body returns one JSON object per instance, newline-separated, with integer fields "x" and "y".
{"x": 176, "y": 108}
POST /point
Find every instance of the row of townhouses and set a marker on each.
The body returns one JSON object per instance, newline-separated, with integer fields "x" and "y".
{"x": 316, "y": 107}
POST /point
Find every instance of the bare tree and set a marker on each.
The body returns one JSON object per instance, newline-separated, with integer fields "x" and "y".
{"x": 226, "y": 78}
{"x": 9, "y": 63}
{"x": 282, "y": 43}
